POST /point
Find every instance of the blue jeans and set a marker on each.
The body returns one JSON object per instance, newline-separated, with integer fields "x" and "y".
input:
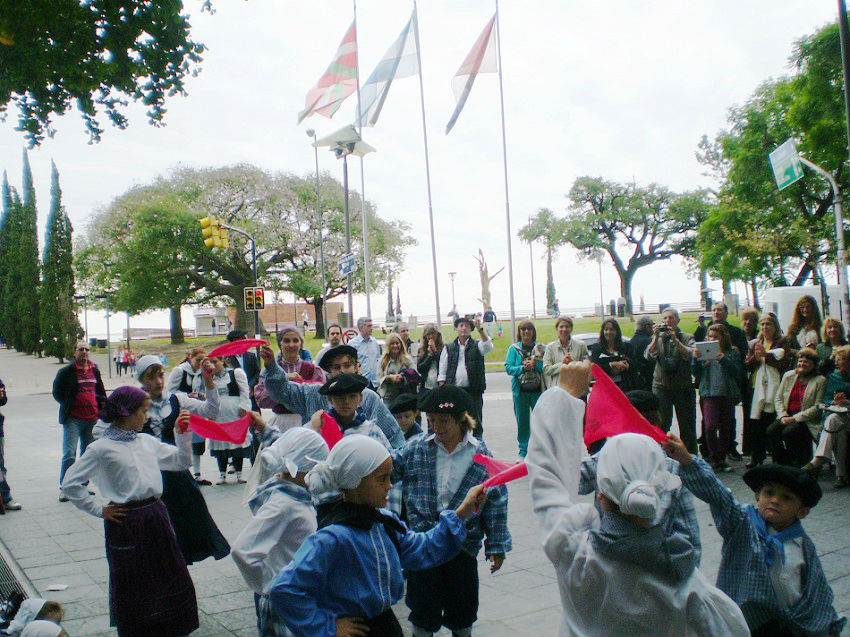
{"x": 74, "y": 431}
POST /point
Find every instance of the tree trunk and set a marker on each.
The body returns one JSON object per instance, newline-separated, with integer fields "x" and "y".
{"x": 803, "y": 274}
{"x": 245, "y": 320}
{"x": 755, "y": 294}
{"x": 550, "y": 283}
{"x": 704, "y": 298}
{"x": 726, "y": 287}
{"x": 320, "y": 317}
{"x": 177, "y": 336}
{"x": 626, "y": 288}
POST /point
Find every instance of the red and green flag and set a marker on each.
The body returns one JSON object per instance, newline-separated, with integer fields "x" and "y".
{"x": 338, "y": 82}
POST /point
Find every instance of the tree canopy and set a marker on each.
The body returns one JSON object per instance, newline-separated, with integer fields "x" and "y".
{"x": 545, "y": 227}
{"x": 95, "y": 54}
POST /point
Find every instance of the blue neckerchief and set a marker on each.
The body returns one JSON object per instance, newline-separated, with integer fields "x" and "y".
{"x": 359, "y": 419}
{"x": 265, "y": 490}
{"x": 122, "y": 435}
{"x": 774, "y": 543}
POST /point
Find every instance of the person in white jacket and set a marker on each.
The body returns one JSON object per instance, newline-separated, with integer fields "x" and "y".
{"x": 283, "y": 518}
{"x": 617, "y": 574}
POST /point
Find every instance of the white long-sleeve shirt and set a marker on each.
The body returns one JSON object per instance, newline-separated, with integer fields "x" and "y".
{"x": 485, "y": 346}
{"x": 600, "y": 595}
{"x": 124, "y": 471}
{"x": 271, "y": 538}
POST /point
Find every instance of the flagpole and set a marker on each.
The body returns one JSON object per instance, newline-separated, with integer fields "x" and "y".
{"x": 505, "y": 164}
{"x": 427, "y": 167}
{"x": 364, "y": 221}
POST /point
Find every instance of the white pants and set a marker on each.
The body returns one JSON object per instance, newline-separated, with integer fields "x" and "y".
{"x": 833, "y": 443}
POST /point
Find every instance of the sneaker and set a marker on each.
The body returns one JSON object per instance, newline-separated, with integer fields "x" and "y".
{"x": 734, "y": 455}
{"x": 11, "y": 505}
{"x": 239, "y": 477}
{"x": 222, "y": 479}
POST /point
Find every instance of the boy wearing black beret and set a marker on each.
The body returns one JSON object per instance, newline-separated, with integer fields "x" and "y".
{"x": 769, "y": 565}
{"x": 406, "y": 414}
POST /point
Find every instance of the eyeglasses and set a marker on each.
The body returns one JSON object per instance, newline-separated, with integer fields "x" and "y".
{"x": 83, "y": 349}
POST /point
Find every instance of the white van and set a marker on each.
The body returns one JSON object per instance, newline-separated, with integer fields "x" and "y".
{"x": 782, "y": 301}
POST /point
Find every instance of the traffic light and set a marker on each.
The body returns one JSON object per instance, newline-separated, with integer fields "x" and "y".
{"x": 211, "y": 231}
{"x": 259, "y": 300}
{"x": 249, "y": 300}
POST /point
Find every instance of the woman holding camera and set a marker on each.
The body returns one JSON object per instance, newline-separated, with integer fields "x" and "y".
{"x": 613, "y": 355}
{"x": 524, "y": 364}
{"x": 428, "y": 358}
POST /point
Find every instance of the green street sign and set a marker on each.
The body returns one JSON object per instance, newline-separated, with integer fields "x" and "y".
{"x": 786, "y": 165}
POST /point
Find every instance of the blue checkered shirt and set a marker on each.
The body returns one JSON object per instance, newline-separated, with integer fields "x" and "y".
{"x": 416, "y": 465}
{"x": 744, "y": 575}
{"x": 676, "y": 514}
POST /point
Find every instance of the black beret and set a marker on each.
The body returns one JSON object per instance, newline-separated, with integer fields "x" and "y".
{"x": 448, "y": 399}
{"x": 333, "y": 353}
{"x": 643, "y": 400}
{"x": 344, "y": 384}
{"x": 802, "y": 483}
{"x": 236, "y": 335}
{"x": 405, "y": 401}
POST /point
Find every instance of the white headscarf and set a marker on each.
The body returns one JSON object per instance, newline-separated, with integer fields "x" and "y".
{"x": 352, "y": 459}
{"x": 632, "y": 473}
{"x": 296, "y": 450}
{"x": 26, "y": 613}
{"x": 41, "y": 628}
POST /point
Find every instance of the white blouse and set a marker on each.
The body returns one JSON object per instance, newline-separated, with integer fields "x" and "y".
{"x": 600, "y": 596}
{"x": 124, "y": 471}
{"x": 271, "y": 538}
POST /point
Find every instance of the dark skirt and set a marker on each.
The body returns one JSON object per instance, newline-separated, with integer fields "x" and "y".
{"x": 150, "y": 591}
{"x": 197, "y": 535}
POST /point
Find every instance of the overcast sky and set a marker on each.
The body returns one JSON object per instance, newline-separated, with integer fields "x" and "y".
{"x": 622, "y": 90}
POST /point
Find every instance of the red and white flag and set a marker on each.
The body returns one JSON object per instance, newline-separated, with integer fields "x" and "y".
{"x": 481, "y": 59}
{"x": 338, "y": 82}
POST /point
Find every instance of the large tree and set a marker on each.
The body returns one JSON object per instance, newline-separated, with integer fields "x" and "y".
{"x": 95, "y": 54}
{"x": 635, "y": 226}
{"x": 546, "y": 228}
{"x": 59, "y": 325}
{"x": 29, "y": 332}
{"x": 148, "y": 246}
{"x": 9, "y": 231}
{"x": 758, "y": 232}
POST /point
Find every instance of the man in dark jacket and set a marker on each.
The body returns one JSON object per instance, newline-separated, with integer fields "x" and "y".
{"x": 462, "y": 364}
{"x": 78, "y": 388}
{"x": 640, "y": 341}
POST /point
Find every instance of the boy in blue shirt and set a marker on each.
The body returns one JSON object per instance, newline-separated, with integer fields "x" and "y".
{"x": 769, "y": 566}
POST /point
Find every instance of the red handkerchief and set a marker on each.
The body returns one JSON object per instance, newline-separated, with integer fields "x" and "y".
{"x": 234, "y": 431}
{"x": 330, "y": 430}
{"x": 237, "y": 347}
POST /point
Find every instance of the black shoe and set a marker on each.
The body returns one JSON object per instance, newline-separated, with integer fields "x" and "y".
{"x": 62, "y": 498}
{"x": 91, "y": 492}
{"x": 734, "y": 455}
{"x": 753, "y": 464}
{"x": 202, "y": 483}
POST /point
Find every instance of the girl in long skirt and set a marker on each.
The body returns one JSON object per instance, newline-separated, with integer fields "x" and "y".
{"x": 150, "y": 591}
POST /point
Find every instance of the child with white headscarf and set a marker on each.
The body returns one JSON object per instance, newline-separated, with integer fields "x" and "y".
{"x": 345, "y": 577}
{"x": 617, "y": 574}
{"x": 283, "y": 518}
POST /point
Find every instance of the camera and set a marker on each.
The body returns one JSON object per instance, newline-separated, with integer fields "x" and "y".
{"x": 469, "y": 317}
{"x": 706, "y": 317}
{"x": 662, "y": 328}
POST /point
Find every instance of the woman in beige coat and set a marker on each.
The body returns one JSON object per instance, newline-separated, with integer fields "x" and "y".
{"x": 798, "y": 417}
{"x": 562, "y": 351}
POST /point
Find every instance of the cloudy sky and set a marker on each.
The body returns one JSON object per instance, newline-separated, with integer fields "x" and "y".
{"x": 623, "y": 90}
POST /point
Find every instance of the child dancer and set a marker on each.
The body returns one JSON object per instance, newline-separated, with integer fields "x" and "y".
{"x": 618, "y": 575}
{"x": 150, "y": 591}
{"x": 769, "y": 566}
{"x": 197, "y": 534}
{"x": 283, "y": 518}
{"x": 345, "y": 578}
{"x": 235, "y": 399}
{"x": 406, "y": 413}
{"x": 437, "y": 471}
{"x": 187, "y": 379}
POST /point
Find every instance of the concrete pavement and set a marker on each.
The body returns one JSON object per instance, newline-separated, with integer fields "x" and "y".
{"x": 55, "y": 543}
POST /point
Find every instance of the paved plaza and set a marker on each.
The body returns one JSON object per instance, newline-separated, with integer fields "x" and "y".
{"x": 56, "y": 544}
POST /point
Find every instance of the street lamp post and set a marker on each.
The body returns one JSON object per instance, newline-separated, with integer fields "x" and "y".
{"x": 454, "y": 306}
{"x": 84, "y": 299}
{"x": 345, "y": 142}
{"x": 533, "y": 300}
{"x": 105, "y": 297}
{"x": 128, "y": 330}
{"x": 312, "y": 134}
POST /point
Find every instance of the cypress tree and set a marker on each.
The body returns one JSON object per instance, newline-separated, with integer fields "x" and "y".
{"x": 59, "y": 325}
{"x": 28, "y": 268}
{"x": 5, "y": 224}
{"x": 9, "y": 324}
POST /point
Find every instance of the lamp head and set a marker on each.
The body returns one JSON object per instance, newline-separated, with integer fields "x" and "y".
{"x": 310, "y": 132}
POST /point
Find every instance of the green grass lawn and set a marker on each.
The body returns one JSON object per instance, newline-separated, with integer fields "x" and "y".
{"x": 545, "y": 334}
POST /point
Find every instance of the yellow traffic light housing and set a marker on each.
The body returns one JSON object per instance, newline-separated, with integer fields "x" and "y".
{"x": 210, "y": 231}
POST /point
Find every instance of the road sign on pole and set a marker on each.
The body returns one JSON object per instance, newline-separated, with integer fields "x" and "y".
{"x": 346, "y": 264}
{"x": 786, "y": 164}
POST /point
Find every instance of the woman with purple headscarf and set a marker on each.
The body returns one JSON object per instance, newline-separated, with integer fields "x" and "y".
{"x": 150, "y": 590}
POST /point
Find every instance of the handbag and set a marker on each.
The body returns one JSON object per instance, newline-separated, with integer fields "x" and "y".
{"x": 530, "y": 380}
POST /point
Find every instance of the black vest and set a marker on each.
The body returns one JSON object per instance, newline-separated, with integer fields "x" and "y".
{"x": 474, "y": 365}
